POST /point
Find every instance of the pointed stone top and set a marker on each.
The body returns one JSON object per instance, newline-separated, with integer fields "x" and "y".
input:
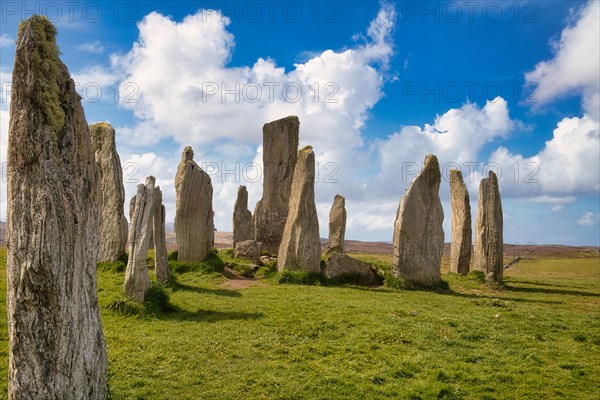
{"x": 188, "y": 154}
{"x": 242, "y": 188}
{"x": 456, "y": 175}
{"x": 339, "y": 197}
{"x": 492, "y": 176}
{"x": 431, "y": 169}
{"x": 103, "y": 135}
{"x": 37, "y": 28}
{"x": 306, "y": 149}
{"x": 150, "y": 181}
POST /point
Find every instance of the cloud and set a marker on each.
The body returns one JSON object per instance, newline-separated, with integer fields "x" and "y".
{"x": 588, "y": 219}
{"x": 6, "y": 40}
{"x": 94, "y": 47}
{"x": 567, "y": 165}
{"x": 576, "y": 62}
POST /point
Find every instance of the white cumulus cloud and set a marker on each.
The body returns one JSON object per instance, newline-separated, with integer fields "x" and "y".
{"x": 588, "y": 219}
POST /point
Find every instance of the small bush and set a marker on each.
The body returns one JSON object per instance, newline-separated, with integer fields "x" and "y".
{"x": 298, "y": 277}
{"x": 124, "y": 305}
{"x": 244, "y": 269}
{"x": 114, "y": 267}
{"x": 172, "y": 256}
{"x": 404, "y": 284}
{"x": 228, "y": 253}
{"x": 266, "y": 271}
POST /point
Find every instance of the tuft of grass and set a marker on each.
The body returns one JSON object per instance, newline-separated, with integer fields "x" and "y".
{"x": 156, "y": 301}
{"x": 404, "y": 284}
{"x": 116, "y": 267}
{"x": 212, "y": 263}
{"x": 298, "y": 277}
{"x": 172, "y": 256}
{"x": 477, "y": 276}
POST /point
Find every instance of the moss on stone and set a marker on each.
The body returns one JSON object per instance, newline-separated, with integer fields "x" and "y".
{"x": 50, "y": 74}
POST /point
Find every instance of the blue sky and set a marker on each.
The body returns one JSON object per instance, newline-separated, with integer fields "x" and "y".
{"x": 512, "y": 86}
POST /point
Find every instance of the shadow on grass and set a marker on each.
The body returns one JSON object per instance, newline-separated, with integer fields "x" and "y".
{"x": 207, "y": 316}
{"x": 549, "y": 291}
{"x": 537, "y": 283}
{"x": 176, "y": 286}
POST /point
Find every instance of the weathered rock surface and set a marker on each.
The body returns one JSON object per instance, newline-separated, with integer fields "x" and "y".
{"x": 339, "y": 265}
{"x": 248, "y": 250}
{"x": 131, "y": 208}
{"x": 280, "y": 150}
{"x": 337, "y": 226}
{"x": 460, "y": 251}
{"x": 242, "y": 217}
{"x": 489, "y": 245}
{"x": 113, "y": 237}
{"x": 194, "y": 226}
{"x": 418, "y": 233}
{"x": 55, "y": 341}
{"x": 161, "y": 265}
{"x": 137, "y": 278}
{"x": 301, "y": 245}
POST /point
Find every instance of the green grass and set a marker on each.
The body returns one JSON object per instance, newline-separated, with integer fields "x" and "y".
{"x": 539, "y": 338}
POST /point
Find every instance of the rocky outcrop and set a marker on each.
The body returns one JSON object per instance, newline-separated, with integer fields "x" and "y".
{"x": 248, "y": 250}
{"x": 489, "y": 246}
{"x": 301, "y": 245}
{"x": 242, "y": 218}
{"x": 56, "y": 349}
{"x": 340, "y": 265}
{"x": 194, "y": 226}
{"x": 161, "y": 265}
{"x": 337, "y": 226}
{"x": 460, "y": 250}
{"x": 418, "y": 233}
{"x": 280, "y": 150}
{"x": 137, "y": 279}
{"x": 113, "y": 237}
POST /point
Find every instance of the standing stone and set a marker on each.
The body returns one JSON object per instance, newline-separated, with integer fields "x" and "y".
{"x": 301, "y": 245}
{"x": 280, "y": 151}
{"x": 131, "y": 208}
{"x": 194, "y": 226}
{"x": 337, "y": 226}
{"x": 137, "y": 279}
{"x": 248, "y": 250}
{"x": 460, "y": 251}
{"x": 242, "y": 217}
{"x": 418, "y": 232}
{"x": 55, "y": 341}
{"x": 161, "y": 266}
{"x": 113, "y": 236}
{"x": 489, "y": 245}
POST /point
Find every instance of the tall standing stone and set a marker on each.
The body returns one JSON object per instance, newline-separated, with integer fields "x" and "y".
{"x": 242, "y": 217}
{"x": 131, "y": 208}
{"x": 280, "y": 151}
{"x": 137, "y": 279}
{"x": 460, "y": 251}
{"x": 337, "y": 226}
{"x": 194, "y": 226}
{"x": 301, "y": 245}
{"x": 418, "y": 232}
{"x": 113, "y": 236}
{"x": 489, "y": 245}
{"x": 161, "y": 265}
{"x": 55, "y": 341}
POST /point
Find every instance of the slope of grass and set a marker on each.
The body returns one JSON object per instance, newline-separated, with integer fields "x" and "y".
{"x": 538, "y": 338}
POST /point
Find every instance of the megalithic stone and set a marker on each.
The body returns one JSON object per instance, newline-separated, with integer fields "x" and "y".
{"x": 300, "y": 247}
{"x": 131, "y": 208}
{"x": 280, "y": 151}
{"x": 194, "y": 216}
{"x": 113, "y": 238}
{"x": 489, "y": 246}
{"x": 460, "y": 251}
{"x": 337, "y": 226}
{"x": 137, "y": 278}
{"x": 161, "y": 266}
{"x": 418, "y": 232}
{"x": 56, "y": 349}
{"x": 242, "y": 217}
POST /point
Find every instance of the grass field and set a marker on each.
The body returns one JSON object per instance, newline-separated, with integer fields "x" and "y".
{"x": 539, "y": 338}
